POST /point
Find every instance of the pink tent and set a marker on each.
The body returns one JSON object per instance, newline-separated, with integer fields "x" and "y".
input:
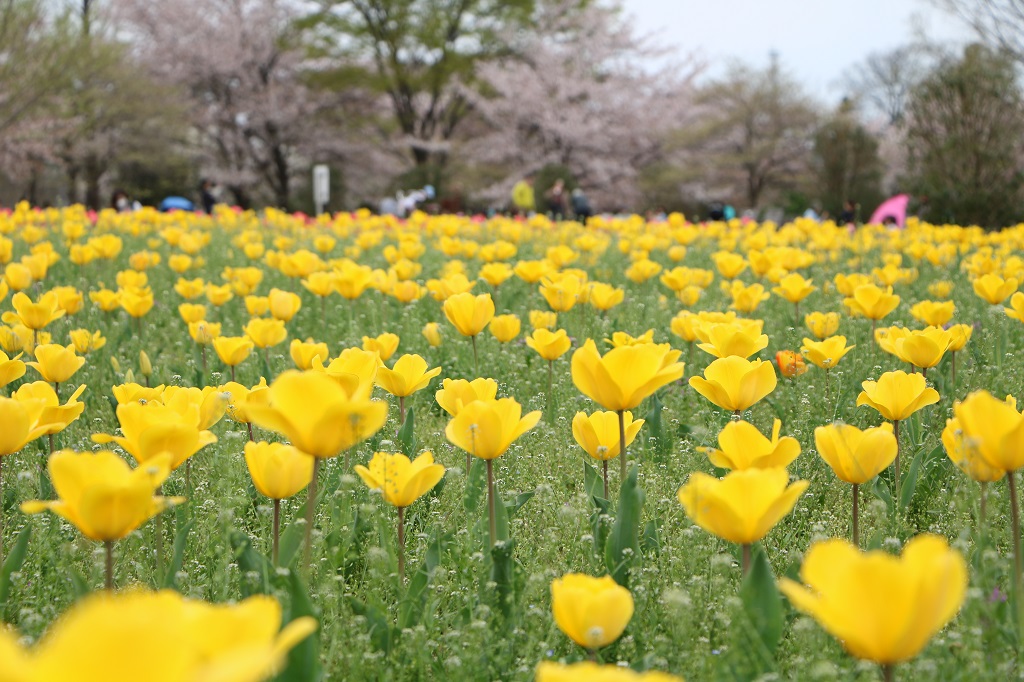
{"x": 895, "y": 208}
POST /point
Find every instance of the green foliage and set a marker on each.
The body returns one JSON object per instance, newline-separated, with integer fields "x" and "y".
{"x": 847, "y": 163}
{"x": 622, "y": 548}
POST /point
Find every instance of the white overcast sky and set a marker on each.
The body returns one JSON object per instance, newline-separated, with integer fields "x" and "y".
{"x": 817, "y": 40}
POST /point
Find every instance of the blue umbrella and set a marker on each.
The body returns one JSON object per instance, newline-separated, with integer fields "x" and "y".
{"x": 176, "y": 204}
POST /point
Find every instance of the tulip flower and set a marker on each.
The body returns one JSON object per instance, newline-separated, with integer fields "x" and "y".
{"x": 284, "y": 304}
{"x": 734, "y": 383}
{"x": 56, "y": 363}
{"x": 550, "y": 671}
{"x": 990, "y": 287}
{"x": 933, "y": 313}
{"x": 485, "y": 429}
{"x": 57, "y": 417}
{"x": 561, "y": 293}
{"x": 827, "y": 353}
{"x": 173, "y": 639}
{"x": 729, "y": 264}
{"x": 432, "y": 333}
{"x": 106, "y": 300}
{"x": 549, "y": 345}
{"x": 724, "y": 339}
{"x": 790, "y": 364}
{"x": 278, "y": 471}
{"x": 401, "y": 483}
{"x": 626, "y": 339}
{"x": 86, "y": 341}
{"x": 233, "y": 350}
{"x": 265, "y": 333}
{"x": 103, "y": 497}
{"x": 495, "y": 274}
{"x": 190, "y": 288}
{"x": 822, "y": 325}
{"x": 741, "y": 446}
{"x": 133, "y": 393}
{"x": 856, "y": 456}
{"x": 319, "y": 417}
{"x": 623, "y": 378}
{"x": 409, "y": 375}
{"x": 593, "y": 612}
{"x": 743, "y": 506}
{"x": 505, "y": 327}
{"x": 794, "y": 288}
{"x": 303, "y": 352}
{"x": 153, "y": 429}
{"x": 1016, "y": 309}
{"x": 604, "y": 297}
{"x": 257, "y": 306}
{"x": 923, "y": 349}
{"x": 896, "y": 396}
{"x": 457, "y": 393}
{"x": 882, "y": 608}
{"x": 137, "y": 302}
{"x": 218, "y": 295}
{"x": 384, "y": 345}
{"x": 746, "y": 299}
{"x": 872, "y": 302}
{"x": 354, "y": 370}
{"x": 964, "y": 451}
{"x": 543, "y": 319}
{"x": 11, "y": 369}
{"x": 598, "y": 435}
{"x": 34, "y": 315}
{"x": 469, "y": 314}
{"x": 239, "y": 397}
{"x": 17, "y": 276}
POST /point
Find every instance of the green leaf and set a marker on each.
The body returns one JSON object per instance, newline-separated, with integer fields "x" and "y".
{"x": 407, "y": 434}
{"x": 654, "y": 426}
{"x": 521, "y": 499}
{"x": 291, "y": 540}
{"x": 593, "y": 483}
{"x": 410, "y": 609}
{"x": 13, "y": 562}
{"x": 177, "y": 555}
{"x": 253, "y": 566}
{"x": 304, "y": 659}
{"x": 909, "y": 484}
{"x": 382, "y": 633}
{"x": 500, "y": 516}
{"x": 476, "y": 484}
{"x": 651, "y": 542}
{"x": 762, "y": 601}
{"x": 622, "y": 547}
{"x": 503, "y": 576}
{"x": 879, "y": 489}
{"x": 79, "y": 585}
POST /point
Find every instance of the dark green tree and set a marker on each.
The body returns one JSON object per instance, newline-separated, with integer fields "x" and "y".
{"x": 965, "y": 140}
{"x": 846, "y": 161}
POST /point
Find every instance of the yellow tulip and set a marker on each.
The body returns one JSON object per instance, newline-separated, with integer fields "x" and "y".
{"x": 741, "y": 446}
{"x": 543, "y": 319}
{"x": 822, "y": 325}
{"x": 505, "y": 327}
{"x": 277, "y": 470}
{"x": 993, "y": 429}
{"x": 384, "y": 345}
{"x": 561, "y": 293}
{"x": 746, "y": 299}
{"x": 17, "y": 276}
{"x": 729, "y": 264}
{"x": 354, "y": 370}
{"x": 455, "y": 393}
{"x": 964, "y": 452}
{"x": 724, "y": 339}
{"x": 409, "y": 375}
{"x": 239, "y": 397}
{"x": 55, "y": 417}
{"x": 133, "y": 393}
{"x": 794, "y": 288}
{"x": 856, "y": 456}
{"x": 34, "y": 315}
{"x": 203, "y": 332}
{"x": 897, "y": 395}
{"x": 827, "y": 353}
{"x": 21, "y": 420}
{"x": 925, "y": 348}
{"x": 136, "y": 302}
{"x": 549, "y": 345}
{"x": 486, "y": 428}
{"x": 400, "y": 481}
{"x": 69, "y": 299}
{"x": 933, "y": 313}
{"x": 586, "y": 671}
{"x": 469, "y": 314}
{"x": 101, "y": 495}
{"x": 993, "y": 288}
{"x": 532, "y": 271}
{"x": 685, "y": 324}
{"x": 604, "y": 297}
{"x": 303, "y": 352}
{"x": 319, "y": 284}
{"x": 626, "y": 375}
{"x": 598, "y": 433}
{"x": 218, "y": 295}
{"x": 882, "y": 608}
{"x": 106, "y": 300}
{"x": 210, "y": 404}
{"x": 1016, "y": 309}
{"x": 173, "y": 639}
{"x": 265, "y": 332}
{"x": 872, "y": 302}
{"x": 626, "y": 339}
{"x": 790, "y": 364}
{"x": 232, "y": 350}
{"x": 317, "y": 414}
{"x": 743, "y": 506}
{"x": 432, "y": 333}
{"x": 86, "y": 341}
{"x": 593, "y": 612}
{"x": 495, "y": 274}
{"x": 959, "y": 335}
{"x": 284, "y": 304}
{"x": 190, "y": 288}
{"x": 192, "y": 312}
{"x": 11, "y": 369}
{"x": 257, "y": 306}
{"x": 734, "y": 383}
{"x": 153, "y": 429}
{"x": 56, "y": 363}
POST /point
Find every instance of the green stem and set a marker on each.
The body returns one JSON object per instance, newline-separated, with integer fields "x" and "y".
{"x": 604, "y": 471}
{"x": 856, "y": 515}
{"x": 109, "y": 572}
{"x": 746, "y": 559}
{"x": 622, "y": 447}
{"x": 896, "y": 433}
{"x": 310, "y": 504}
{"x": 276, "y": 530}
{"x": 1011, "y": 479}
{"x": 401, "y": 410}
{"x": 490, "y": 502}
{"x": 401, "y": 544}
{"x": 476, "y": 360}
{"x": 888, "y": 672}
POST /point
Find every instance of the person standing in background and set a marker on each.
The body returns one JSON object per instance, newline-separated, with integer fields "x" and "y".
{"x": 522, "y": 196}
{"x": 556, "y": 199}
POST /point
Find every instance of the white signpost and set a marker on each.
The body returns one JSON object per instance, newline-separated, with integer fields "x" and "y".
{"x": 321, "y": 187}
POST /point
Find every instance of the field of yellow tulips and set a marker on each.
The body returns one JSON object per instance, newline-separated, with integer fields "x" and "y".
{"x": 256, "y": 446}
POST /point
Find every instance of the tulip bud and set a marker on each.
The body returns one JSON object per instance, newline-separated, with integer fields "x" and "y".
{"x": 115, "y": 364}
{"x": 145, "y": 366}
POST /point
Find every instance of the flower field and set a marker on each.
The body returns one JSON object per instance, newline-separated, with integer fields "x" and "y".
{"x": 262, "y": 446}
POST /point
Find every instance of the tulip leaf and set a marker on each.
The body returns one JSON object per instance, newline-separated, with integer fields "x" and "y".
{"x": 13, "y": 562}
{"x": 518, "y": 503}
{"x": 407, "y": 434}
{"x": 503, "y": 576}
{"x": 654, "y": 425}
{"x": 622, "y": 547}
{"x": 79, "y": 585}
{"x": 476, "y": 484}
{"x": 651, "y": 541}
{"x": 762, "y": 601}
{"x": 500, "y": 516}
{"x": 304, "y": 659}
{"x": 880, "y": 490}
{"x": 254, "y": 567}
{"x": 909, "y": 483}
{"x": 382, "y": 633}
{"x": 291, "y": 540}
{"x": 593, "y": 483}
{"x": 410, "y": 609}
{"x": 177, "y": 555}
